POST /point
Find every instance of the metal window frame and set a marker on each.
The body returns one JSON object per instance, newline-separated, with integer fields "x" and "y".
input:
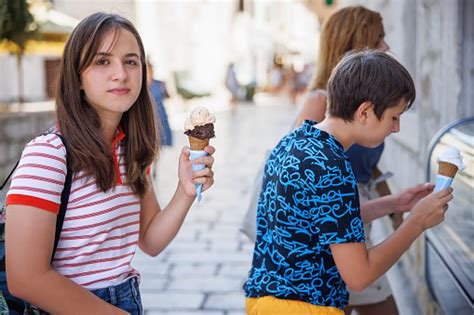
{"x": 433, "y": 245}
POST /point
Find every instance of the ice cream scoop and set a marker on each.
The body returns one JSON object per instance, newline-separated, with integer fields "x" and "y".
{"x": 452, "y": 156}
{"x": 199, "y": 127}
{"x": 450, "y": 161}
{"x": 200, "y": 116}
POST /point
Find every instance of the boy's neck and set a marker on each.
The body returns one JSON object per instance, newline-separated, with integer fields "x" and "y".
{"x": 341, "y": 130}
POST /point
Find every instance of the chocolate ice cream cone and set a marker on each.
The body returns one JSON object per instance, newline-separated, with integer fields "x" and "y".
{"x": 447, "y": 169}
{"x": 197, "y": 144}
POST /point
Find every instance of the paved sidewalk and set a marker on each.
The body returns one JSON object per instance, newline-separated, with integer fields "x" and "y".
{"x": 203, "y": 269}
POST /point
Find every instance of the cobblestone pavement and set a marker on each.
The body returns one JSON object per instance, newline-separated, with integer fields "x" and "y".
{"x": 203, "y": 269}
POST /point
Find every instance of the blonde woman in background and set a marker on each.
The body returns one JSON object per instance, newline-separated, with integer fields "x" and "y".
{"x": 354, "y": 28}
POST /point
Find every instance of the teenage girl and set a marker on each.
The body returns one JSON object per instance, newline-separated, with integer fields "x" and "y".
{"x": 106, "y": 117}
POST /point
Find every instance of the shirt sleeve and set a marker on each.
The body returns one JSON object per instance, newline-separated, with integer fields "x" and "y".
{"x": 333, "y": 200}
{"x": 39, "y": 178}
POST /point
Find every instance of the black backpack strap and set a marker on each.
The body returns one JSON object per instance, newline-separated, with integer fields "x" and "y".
{"x": 64, "y": 199}
{"x": 10, "y": 175}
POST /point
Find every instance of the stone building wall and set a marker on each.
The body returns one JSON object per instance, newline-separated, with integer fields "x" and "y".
{"x": 434, "y": 40}
{"x": 16, "y": 129}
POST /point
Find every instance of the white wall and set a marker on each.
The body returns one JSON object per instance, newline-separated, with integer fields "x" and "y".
{"x": 34, "y": 77}
{"x": 191, "y": 35}
{"x": 82, "y": 8}
{"x": 434, "y": 40}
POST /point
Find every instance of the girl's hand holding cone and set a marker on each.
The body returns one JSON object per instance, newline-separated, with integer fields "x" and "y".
{"x": 189, "y": 178}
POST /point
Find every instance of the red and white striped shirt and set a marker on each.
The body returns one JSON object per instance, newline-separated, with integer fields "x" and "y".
{"x": 100, "y": 231}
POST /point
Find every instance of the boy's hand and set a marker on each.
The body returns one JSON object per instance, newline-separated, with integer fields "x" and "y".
{"x": 430, "y": 210}
{"x": 406, "y": 199}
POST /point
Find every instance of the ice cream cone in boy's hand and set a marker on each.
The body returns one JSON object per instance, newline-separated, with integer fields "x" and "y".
{"x": 450, "y": 161}
{"x": 199, "y": 128}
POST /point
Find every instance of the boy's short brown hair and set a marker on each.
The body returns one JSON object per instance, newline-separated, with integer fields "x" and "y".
{"x": 372, "y": 76}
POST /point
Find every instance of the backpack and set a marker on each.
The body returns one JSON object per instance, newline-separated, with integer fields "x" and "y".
{"x": 12, "y": 302}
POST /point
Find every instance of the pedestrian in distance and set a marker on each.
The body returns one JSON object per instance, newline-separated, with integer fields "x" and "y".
{"x": 106, "y": 117}
{"x": 310, "y": 238}
{"x": 158, "y": 93}
{"x": 354, "y": 28}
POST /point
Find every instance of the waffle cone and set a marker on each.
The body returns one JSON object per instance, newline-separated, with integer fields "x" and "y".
{"x": 447, "y": 169}
{"x": 197, "y": 144}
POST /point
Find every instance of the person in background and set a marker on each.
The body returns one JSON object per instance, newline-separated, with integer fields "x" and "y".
{"x": 239, "y": 92}
{"x": 354, "y": 28}
{"x": 158, "y": 93}
{"x": 299, "y": 81}
{"x": 276, "y": 80}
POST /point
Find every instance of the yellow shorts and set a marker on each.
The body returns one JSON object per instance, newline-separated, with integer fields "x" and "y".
{"x": 268, "y": 305}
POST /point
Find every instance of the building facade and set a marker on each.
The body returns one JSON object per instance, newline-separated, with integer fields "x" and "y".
{"x": 434, "y": 39}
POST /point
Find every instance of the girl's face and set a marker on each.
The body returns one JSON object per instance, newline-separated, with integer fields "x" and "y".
{"x": 113, "y": 81}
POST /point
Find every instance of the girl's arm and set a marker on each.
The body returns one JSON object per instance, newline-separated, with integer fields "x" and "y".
{"x": 396, "y": 203}
{"x": 382, "y": 187}
{"x": 29, "y": 244}
{"x": 314, "y": 108}
{"x": 159, "y": 227}
{"x": 360, "y": 267}
{"x": 383, "y": 190}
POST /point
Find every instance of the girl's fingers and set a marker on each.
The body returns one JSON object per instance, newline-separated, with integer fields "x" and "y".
{"x": 210, "y": 149}
{"x": 208, "y": 184}
{"x": 203, "y": 180}
{"x": 201, "y": 176}
{"x": 205, "y": 172}
{"x": 200, "y": 180}
{"x": 184, "y": 154}
{"x": 207, "y": 160}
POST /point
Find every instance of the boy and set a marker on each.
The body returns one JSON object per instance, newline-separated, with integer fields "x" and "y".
{"x": 309, "y": 227}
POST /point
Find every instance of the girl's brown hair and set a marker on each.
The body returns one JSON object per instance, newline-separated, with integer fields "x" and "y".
{"x": 351, "y": 28}
{"x": 88, "y": 151}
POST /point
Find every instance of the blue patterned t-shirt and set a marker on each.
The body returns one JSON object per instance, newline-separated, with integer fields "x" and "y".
{"x": 308, "y": 201}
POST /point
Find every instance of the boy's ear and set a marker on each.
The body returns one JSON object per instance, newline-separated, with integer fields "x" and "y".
{"x": 363, "y": 112}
